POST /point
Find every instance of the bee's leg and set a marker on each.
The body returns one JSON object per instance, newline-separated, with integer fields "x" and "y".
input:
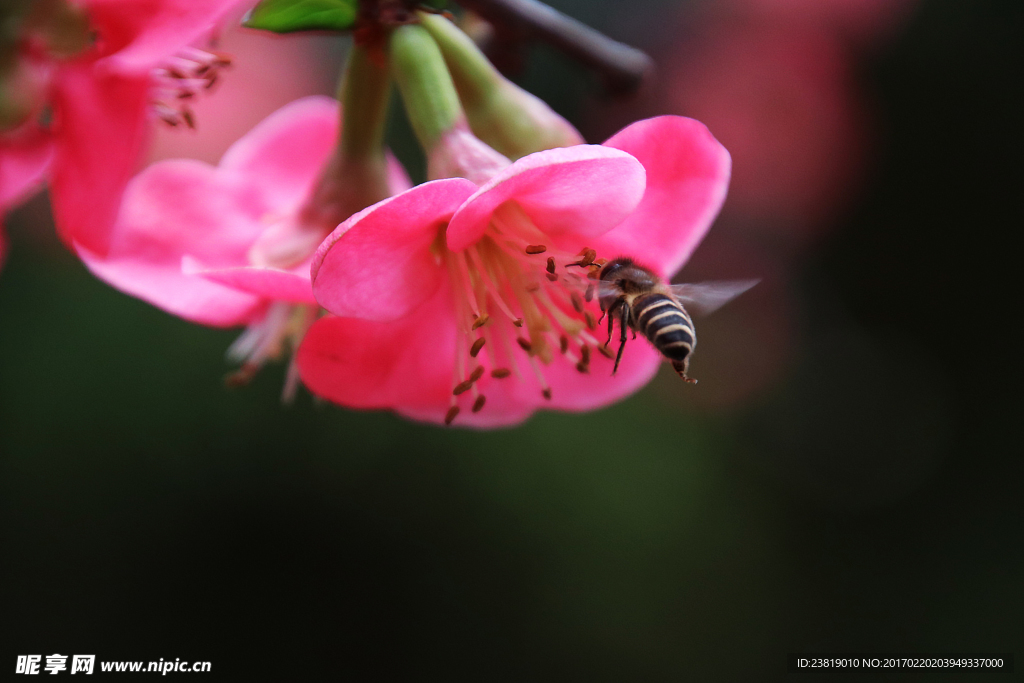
{"x": 611, "y": 321}
{"x": 681, "y": 366}
{"x": 623, "y": 322}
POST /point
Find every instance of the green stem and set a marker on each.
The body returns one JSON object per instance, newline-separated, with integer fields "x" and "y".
{"x": 364, "y": 93}
{"x": 425, "y": 84}
{"x": 475, "y": 78}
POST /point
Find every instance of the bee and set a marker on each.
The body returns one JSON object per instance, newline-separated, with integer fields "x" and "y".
{"x": 645, "y": 303}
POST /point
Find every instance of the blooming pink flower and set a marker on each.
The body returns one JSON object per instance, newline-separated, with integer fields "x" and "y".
{"x": 445, "y": 307}
{"x": 184, "y": 238}
{"x": 101, "y": 99}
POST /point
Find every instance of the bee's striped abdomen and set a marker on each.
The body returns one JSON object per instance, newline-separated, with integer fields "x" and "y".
{"x": 667, "y": 325}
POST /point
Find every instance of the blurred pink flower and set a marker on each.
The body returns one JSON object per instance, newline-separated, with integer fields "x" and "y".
{"x": 183, "y": 240}
{"x": 459, "y": 299}
{"x": 101, "y": 99}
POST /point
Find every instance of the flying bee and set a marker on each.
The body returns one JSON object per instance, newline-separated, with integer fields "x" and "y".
{"x": 647, "y": 304}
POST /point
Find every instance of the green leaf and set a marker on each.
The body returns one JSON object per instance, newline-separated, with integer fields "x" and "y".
{"x": 285, "y": 16}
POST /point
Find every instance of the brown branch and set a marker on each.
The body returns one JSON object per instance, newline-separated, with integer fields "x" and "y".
{"x": 622, "y": 67}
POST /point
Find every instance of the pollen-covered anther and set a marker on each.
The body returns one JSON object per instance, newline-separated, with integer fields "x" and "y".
{"x": 450, "y": 415}
{"x": 577, "y": 302}
{"x": 546, "y": 393}
{"x": 535, "y": 249}
{"x": 605, "y": 351}
{"x": 583, "y": 367}
{"x": 180, "y": 79}
{"x": 479, "y": 403}
{"x": 587, "y": 259}
{"x": 589, "y": 294}
{"x": 589, "y": 318}
{"x": 518, "y": 322}
{"x": 480, "y": 321}
{"x": 466, "y": 385}
{"x": 477, "y": 345}
{"x": 524, "y": 344}
{"x": 500, "y": 373}
{"x": 551, "y": 264}
{"x": 563, "y": 343}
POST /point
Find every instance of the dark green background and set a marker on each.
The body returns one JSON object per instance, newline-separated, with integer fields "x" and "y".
{"x": 870, "y": 500}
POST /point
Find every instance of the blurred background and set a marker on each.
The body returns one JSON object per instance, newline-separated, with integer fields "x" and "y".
{"x": 845, "y": 477}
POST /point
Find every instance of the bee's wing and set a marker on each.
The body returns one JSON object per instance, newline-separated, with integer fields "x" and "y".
{"x": 701, "y": 298}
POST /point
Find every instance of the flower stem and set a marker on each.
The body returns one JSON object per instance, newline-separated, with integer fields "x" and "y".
{"x": 364, "y": 92}
{"x": 427, "y": 89}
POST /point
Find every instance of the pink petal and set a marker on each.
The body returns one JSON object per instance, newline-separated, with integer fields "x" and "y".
{"x": 407, "y": 365}
{"x": 178, "y": 208}
{"x": 687, "y": 178}
{"x": 140, "y": 34}
{"x": 584, "y": 190}
{"x": 269, "y": 283}
{"x": 101, "y": 126}
{"x": 377, "y": 265}
{"x": 283, "y": 155}
{"x": 25, "y": 156}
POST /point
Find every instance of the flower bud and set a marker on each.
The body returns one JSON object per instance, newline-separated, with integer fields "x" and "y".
{"x": 500, "y": 113}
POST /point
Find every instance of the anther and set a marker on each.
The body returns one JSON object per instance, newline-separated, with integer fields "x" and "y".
{"x": 518, "y": 322}
{"x": 551, "y": 264}
{"x": 546, "y": 393}
{"x": 535, "y": 249}
{"x": 589, "y": 295}
{"x": 479, "y": 403}
{"x": 563, "y": 343}
{"x": 577, "y": 302}
{"x": 481, "y": 321}
{"x": 605, "y": 351}
{"x": 463, "y": 387}
{"x": 585, "y": 352}
{"x": 588, "y": 259}
{"x": 583, "y": 367}
{"x": 589, "y": 317}
{"x": 477, "y": 345}
{"x": 532, "y": 287}
{"x": 524, "y": 344}
{"x": 500, "y": 373}
{"x": 242, "y": 376}
{"x": 450, "y": 415}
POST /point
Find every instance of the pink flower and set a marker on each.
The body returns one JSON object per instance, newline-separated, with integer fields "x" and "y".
{"x": 445, "y": 307}
{"x": 101, "y": 98}
{"x": 184, "y": 239}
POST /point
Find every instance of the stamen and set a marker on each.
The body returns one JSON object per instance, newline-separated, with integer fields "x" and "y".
{"x": 588, "y": 259}
{"x": 577, "y": 302}
{"x": 563, "y": 344}
{"x": 500, "y": 373}
{"x": 479, "y": 403}
{"x": 551, "y": 265}
{"x": 480, "y": 321}
{"x": 450, "y": 415}
{"x": 477, "y": 345}
{"x": 525, "y": 345}
{"x": 535, "y": 249}
{"x": 605, "y": 351}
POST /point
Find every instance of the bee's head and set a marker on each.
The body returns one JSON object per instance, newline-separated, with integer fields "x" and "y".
{"x": 615, "y": 267}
